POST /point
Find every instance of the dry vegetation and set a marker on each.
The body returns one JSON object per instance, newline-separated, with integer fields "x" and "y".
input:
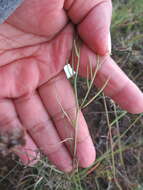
{"x": 117, "y": 135}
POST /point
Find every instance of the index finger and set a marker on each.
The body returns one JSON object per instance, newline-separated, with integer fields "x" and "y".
{"x": 119, "y": 87}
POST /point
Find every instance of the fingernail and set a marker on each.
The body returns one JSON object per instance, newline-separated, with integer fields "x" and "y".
{"x": 109, "y": 43}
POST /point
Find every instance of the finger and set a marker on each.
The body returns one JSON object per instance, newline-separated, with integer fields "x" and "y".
{"x": 12, "y": 133}
{"x": 36, "y": 120}
{"x": 59, "y": 100}
{"x": 93, "y": 21}
{"x": 28, "y": 154}
{"x": 120, "y": 88}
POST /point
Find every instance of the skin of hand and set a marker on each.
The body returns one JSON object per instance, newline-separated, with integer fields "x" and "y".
{"x": 36, "y": 42}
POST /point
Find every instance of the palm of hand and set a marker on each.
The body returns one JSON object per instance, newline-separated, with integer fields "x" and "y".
{"x": 35, "y": 44}
{"x": 32, "y": 73}
{"x": 36, "y": 58}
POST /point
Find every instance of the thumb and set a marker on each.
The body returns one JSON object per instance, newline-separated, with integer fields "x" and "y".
{"x": 93, "y": 18}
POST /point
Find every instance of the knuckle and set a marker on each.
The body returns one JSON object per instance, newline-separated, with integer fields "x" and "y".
{"x": 6, "y": 120}
{"x": 38, "y": 128}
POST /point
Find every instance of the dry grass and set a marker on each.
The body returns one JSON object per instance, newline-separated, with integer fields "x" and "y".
{"x": 117, "y": 135}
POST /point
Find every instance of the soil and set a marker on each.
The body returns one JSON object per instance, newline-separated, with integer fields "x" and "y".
{"x": 9, "y": 140}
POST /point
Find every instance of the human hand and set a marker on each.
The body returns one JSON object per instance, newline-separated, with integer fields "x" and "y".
{"x": 36, "y": 42}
